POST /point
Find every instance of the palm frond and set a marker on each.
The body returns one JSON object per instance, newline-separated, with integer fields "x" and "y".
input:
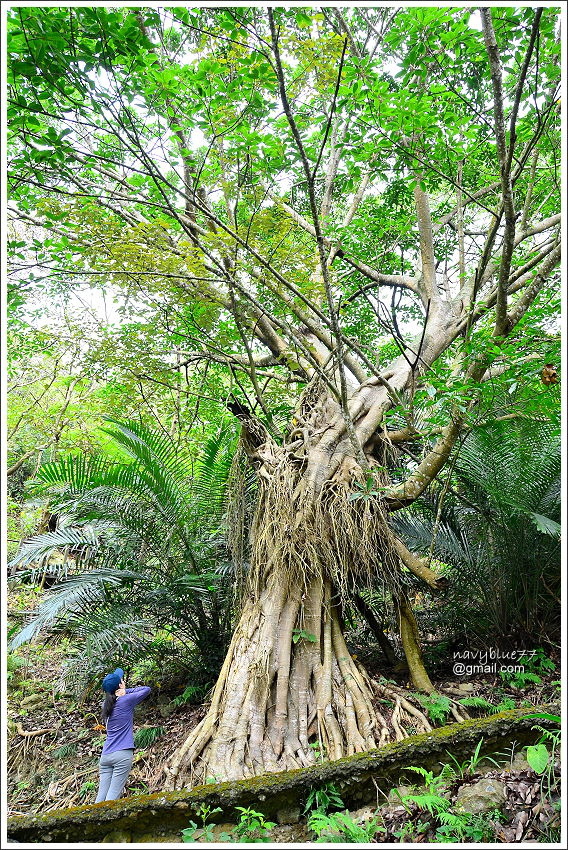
{"x": 499, "y": 532}
{"x": 81, "y": 541}
{"x": 513, "y": 465}
{"x": 212, "y": 474}
{"x": 147, "y": 524}
{"x": 76, "y": 594}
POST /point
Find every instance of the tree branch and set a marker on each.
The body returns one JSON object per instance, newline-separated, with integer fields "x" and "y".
{"x": 310, "y": 175}
{"x": 524, "y": 302}
{"x": 505, "y": 159}
{"x": 427, "y": 281}
{"x": 409, "y": 490}
{"x": 471, "y": 198}
{"x": 419, "y": 567}
{"x": 20, "y": 462}
{"x": 337, "y": 251}
{"x": 520, "y": 86}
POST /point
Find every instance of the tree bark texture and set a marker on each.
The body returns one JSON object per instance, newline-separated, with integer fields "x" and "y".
{"x": 289, "y": 692}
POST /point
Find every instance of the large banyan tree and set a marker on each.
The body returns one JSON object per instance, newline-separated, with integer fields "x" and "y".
{"x": 353, "y": 212}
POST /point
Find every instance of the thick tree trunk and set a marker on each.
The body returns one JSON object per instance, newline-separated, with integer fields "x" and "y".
{"x": 288, "y": 681}
{"x": 289, "y": 691}
{"x": 290, "y": 694}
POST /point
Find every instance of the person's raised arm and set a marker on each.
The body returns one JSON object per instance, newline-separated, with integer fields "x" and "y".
{"x": 137, "y": 694}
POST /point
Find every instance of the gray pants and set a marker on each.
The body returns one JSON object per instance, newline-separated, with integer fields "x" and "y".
{"x": 113, "y": 773}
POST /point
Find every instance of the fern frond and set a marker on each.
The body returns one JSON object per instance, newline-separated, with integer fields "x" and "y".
{"x": 477, "y": 702}
{"x": 146, "y": 736}
{"x": 432, "y": 803}
{"x": 456, "y": 822}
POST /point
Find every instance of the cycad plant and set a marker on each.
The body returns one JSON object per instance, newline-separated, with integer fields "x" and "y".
{"x": 499, "y": 535}
{"x": 144, "y": 523}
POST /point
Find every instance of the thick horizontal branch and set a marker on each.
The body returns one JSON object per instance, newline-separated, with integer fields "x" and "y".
{"x": 20, "y": 462}
{"x": 403, "y": 435}
{"x": 491, "y": 267}
{"x": 419, "y": 567}
{"x": 540, "y": 227}
{"x": 386, "y": 279}
{"x": 409, "y": 490}
{"x": 520, "y": 276}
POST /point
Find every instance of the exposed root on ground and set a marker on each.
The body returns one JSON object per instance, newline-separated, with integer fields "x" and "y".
{"x": 31, "y": 734}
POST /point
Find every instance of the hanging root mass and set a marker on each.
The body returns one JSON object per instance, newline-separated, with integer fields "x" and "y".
{"x": 289, "y": 693}
{"x": 332, "y": 536}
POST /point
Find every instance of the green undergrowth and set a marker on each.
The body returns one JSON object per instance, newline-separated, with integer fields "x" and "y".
{"x": 430, "y": 810}
{"x": 356, "y": 778}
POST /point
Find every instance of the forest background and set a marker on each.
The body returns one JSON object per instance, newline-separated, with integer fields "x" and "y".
{"x": 283, "y": 359}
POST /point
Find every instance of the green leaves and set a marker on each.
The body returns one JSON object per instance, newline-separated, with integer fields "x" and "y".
{"x": 341, "y": 828}
{"x": 300, "y": 634}
{"x": 303, "y": 20}
{"x": 504, "y": 474}
{"x": 365, "y": 491}
{"x": 154, "y": 146}
{"x": 538, "y": 757}
{"x": 554, "y": 718}
{"x": 145, "y": 736}
{"x": 546, "y": 525}
{"x": 437, "y": 707}
{"x": 323, "y": 798}
{"x": 140, "y": 528}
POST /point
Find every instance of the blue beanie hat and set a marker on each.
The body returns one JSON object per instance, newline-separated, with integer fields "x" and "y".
{"x": 112, "y": 681}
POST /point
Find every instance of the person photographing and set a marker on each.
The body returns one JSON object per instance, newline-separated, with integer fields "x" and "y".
{"x": 118, "y": 750}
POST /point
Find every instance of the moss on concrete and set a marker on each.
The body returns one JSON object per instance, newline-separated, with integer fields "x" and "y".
{"x": 162, "y": 816}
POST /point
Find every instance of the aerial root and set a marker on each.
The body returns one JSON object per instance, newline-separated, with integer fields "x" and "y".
{"x": 395, "y": 717}
{"x": 344, "y": 722}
